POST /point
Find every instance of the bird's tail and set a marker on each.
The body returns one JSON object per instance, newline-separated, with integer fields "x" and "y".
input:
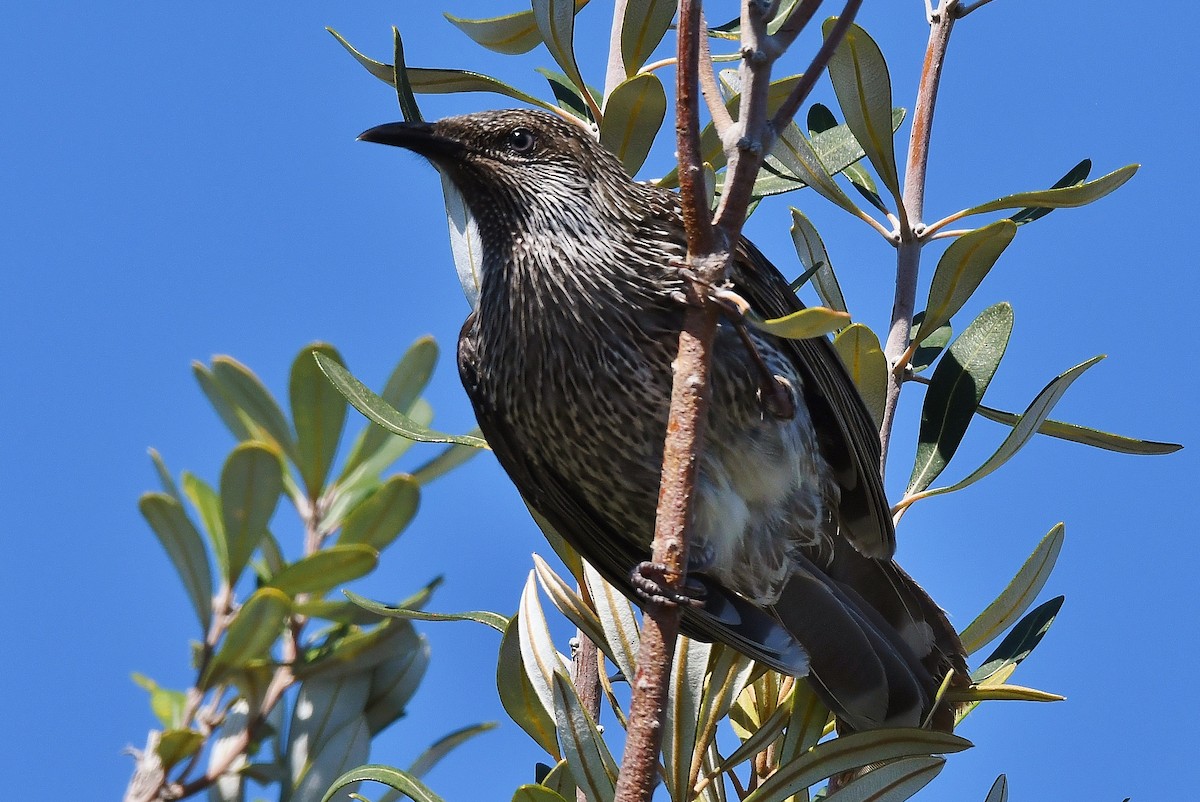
{"x": 879, "y": 646}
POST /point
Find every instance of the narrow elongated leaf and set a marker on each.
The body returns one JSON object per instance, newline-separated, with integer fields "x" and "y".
{"x": 853, "y": 751}
{"x": 380, "y": 518}
{"x": 958, "y": 384}
{"x": 960, "y": 270}
{"x": 863, "y": 357}
{"x": 440, "y": 82}
{"x": 164, "y": 476}
{"x": 319, "y": 413}
{"x": 220, "y": 402}
{"x": 536, "y": 793}
{"x": 1023, "y": 432}
{"x": 891, "y": 782}
{"x": 617, "y": 618}
{"x": 396, "y": 679}
{"x": 400, "y": 80}
{"x": 251, "y": 483}
{"x": 511, "y": 34}
{"x": 324, "y": 570}
{"x": 519, "y": 697}
{"x": 798, "y": 160}
{"x": 642, "y": 29}
{"x": 813, "y": 256}
{"x": 933, "y": 345}
{"x": 864, "y": 91}
{"x": 814, "y": 321}
{"x": 1022, "y": 640}
{"x": 763, "y": 735}
{"x": 254, "y": 629}
{"x": 999, "y": 790}
{"x": 1076, "y": 175}
{"x": 633, "y": 115}
{"x": 538, "y": 654}
{"x": 176, "y": 745}
{"x": 805, "y": 725}
{"x": 560, "y": 780}
{"x": 1020, "y": 593}
{"x": 568, "y": 602}
{"x": 493, "y": 620}
{"x": 556, "y": 22}
{"x": 1083, "y": 434}
{"x": 351, "y": 652}
{"x": 383, "y": 413}
{"x": 168, "y": 705}
{"x": 444, "y": 745}
{"x": 728, "y": 672}
{"x": 584, "y": 750}
{"x": 450, "y": 458}
{"x": 208, "y": 505}
{"x": 323, "y": 708}
{"x": 1062, "y": 197}
{"x": 254, "y": 403}
{"x": 569, "y": 96}
{"x": 684, "y": 692}
{"x": 399, "y": 780}
{"x": 184, "y": 547}
{"x": 821, "y": 119}
{"x": 1001, "y": 692}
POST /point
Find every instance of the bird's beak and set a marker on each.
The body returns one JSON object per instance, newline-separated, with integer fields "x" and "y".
{"x": 417, "y": 137}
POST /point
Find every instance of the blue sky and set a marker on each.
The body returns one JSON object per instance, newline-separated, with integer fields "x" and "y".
{"x": 183, "y": 181}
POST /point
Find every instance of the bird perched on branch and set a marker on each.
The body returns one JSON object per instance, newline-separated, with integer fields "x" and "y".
{"x": 567, "y": 361}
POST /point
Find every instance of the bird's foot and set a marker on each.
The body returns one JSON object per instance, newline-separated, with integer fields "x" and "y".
{"x": 649, "y": 581}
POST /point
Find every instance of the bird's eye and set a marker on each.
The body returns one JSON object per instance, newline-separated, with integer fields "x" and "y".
{"x": 521, "y": 141}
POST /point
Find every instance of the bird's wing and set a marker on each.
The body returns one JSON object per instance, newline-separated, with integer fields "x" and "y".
{"x": 848, "y": 436}
{"x": 725, "y": 617}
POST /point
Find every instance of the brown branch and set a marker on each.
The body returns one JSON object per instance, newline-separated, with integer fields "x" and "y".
{"x": 908, "y": 252}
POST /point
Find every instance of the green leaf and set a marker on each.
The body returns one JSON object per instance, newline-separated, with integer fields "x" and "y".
{"x": 642, "y": 29}
{"x": 569, "y": 603}
{"x": 379, "y": 519}
{"x": 929, "y": 350}
{"x": 795, "y": 159}
{"x": 450, "y": 458}
{"x": 168, "y": 705}
{"x": 999, "y": 790}
{"x": 682, "y": 712}
{"x": 559, "y": 780}
{"x": 324, "y": 570}
{"x": 618, "y": 620}
{"x": 1062, "y": 197}
{"x": 850, "y": 752}
{"x": 493, "y": 620}
{"x": 220, "y": 402}
{"x": 396, "y": 779}
{"x": 767, "y": 732}
{"x": 1076, "y": 175}
{"x": 1031, "y": 420}
{"x": 395, "y": 680}
{"x": 352, "y": 651}
{"x": 864, "y": 91}
{"x": 960, "y": 270}
{"x": 585, "y": 751}
{"x": 813, "y": 256}
{"x": 177, "y": 745}
{"x": 891, "y": 782}
{"x": 728, "y": 673}
{"x": 442, "y": 747}
{"x": 255, "y": 627}
{"x": 319, "y": 413}
{"x": 556, "y": 22}
{"x": 805, "y": 724}
{"x": 440, "y": 82}
{"x": 863, "y": 357}
{"x": 633, "y": 115}
{"x": 164, "y": 476}
{"x": 510, "y": 34}
{"x": 184, "y": 547}
{"x": 384, "y": 414}
{"x": 1084, "y": 435}
{"x": 404, "y": 92}
{"x": 538, "y": 655}
{"x": 208, "y": 505}
{"x": 814, "y": 321}
{"x": 251, "y": 483}
{"x": 254, "y": 403}
{"x": 1020, "y": 593}
{"x": 1022, "y": 640}
{"x": 569, "y": 97}
{"x": 536, "y": 793}
{"x": 958, "y": 384}
{"x": 1007, "y": 693}
{"x": 518, "y": 696}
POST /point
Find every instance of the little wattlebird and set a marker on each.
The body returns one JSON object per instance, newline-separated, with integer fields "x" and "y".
{"x": 567, "y": 361}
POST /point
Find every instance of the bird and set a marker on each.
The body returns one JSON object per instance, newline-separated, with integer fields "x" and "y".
{"x": 567, "y": 361}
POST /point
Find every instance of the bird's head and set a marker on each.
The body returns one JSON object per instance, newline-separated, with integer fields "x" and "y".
{"x": 519, "y": 169}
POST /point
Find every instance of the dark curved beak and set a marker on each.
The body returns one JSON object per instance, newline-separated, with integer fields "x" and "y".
{"x": 417, "y": 137}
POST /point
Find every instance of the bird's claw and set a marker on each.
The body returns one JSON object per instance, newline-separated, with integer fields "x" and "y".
{"x": 649, "y": 581}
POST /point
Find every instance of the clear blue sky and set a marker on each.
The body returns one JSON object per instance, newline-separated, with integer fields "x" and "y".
{"x": 179, "y": 181}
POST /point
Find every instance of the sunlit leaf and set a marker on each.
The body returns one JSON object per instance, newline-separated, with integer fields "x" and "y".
{"x": 617, "y": 618}
{"x": 444, "y": 745}
{"x": 569, "y": 603}
{"x": 538, "y": 655}
{"x": 1076, "y": 175}
{"x": 493, "y": 620}
{"x": 960, "y": 270}
{"x": 184, "y": 547}
{"x": 176, "y": 745}
{"x": 254, "y": 629}
{"x": 1022, "y": 640}
{"x": 556, "y": 22}
{"x": 319, "y": 413}
{"x": 1004, "y": 693}
{"x": 220, "y": 402}
{"x": 1063, "y": 197}
{"x": 164, "y": 476}
{"x": 394, "y": 682}
{"x": 955, "y": 390}
{"x": 380, "y": 518}
{"x": 684, "y": 691}
{"x": 811, "y": 251}
{"x": 324, "y": 570}
{"x": 228, "y": 752}
{"x": 569, "y": 97}
{"x": 1084, "y": 435}
{"x": 813, "y": 321}
{"x": 251, "y": 483}
{"x": 254, "y": 403}
{"x": 932, "y": 346}
{"x": 584, "y": 750}
{"x": 208, "y": 505}
{"x": 536, "y": 793}
{"x": 384, "y": 414}
{"x": 401, "y": 781}
{"x": 797, "y": 159}
{"x": 806, "y": 723}
{"x": 891, "y": 782}
{"x": 863, "y": 357}
{"x": 168, "y": 705}
{"x": 519, "y": 697}
{"x": 999, "y": 790}
{"x": 642, "y": 29}
{"x": 864, "y": 91}
{"x": 633, "y": 114}
{"x": 1018, "y": 595}
{"x": 511, "y": 34}
{"x": 450, "y": 458}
